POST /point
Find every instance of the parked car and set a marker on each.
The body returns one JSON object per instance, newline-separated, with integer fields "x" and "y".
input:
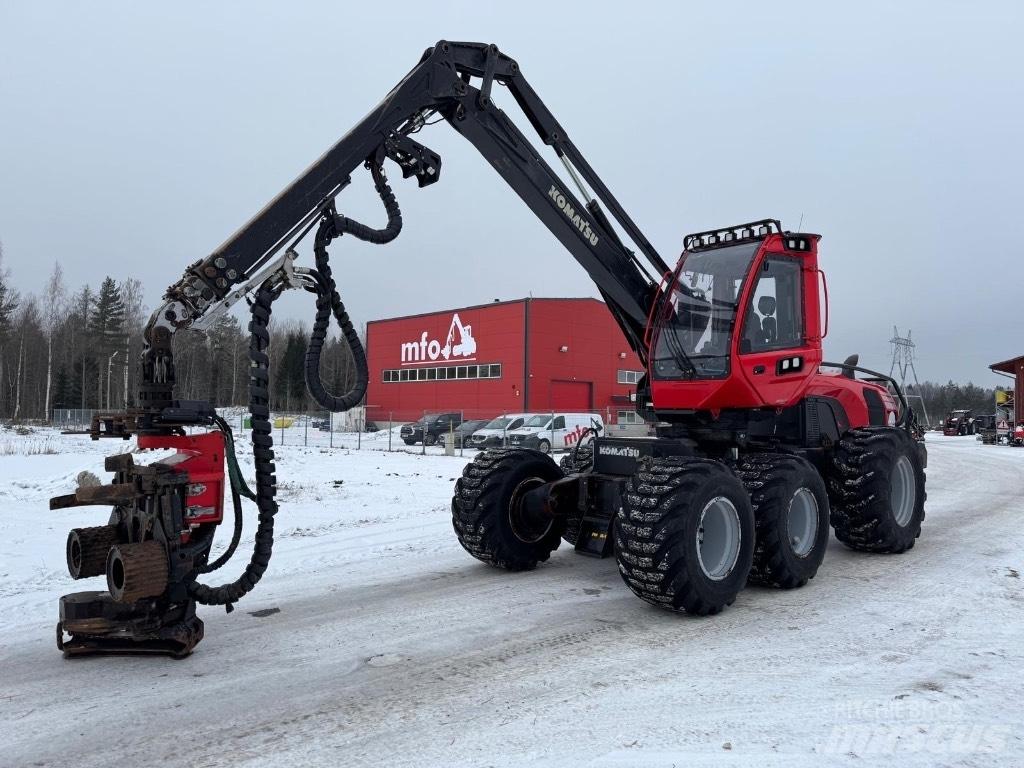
{"x": 547, "y": 431}
{"x": 492, "y": 435}
{"x": 464, "y": 432}
{"x": 429, "y": 429}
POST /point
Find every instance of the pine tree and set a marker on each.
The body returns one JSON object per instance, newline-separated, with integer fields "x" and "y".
{"x": 106, "y": 324}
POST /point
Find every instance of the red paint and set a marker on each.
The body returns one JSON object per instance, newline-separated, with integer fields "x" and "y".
{"x": 202, "y": 457}
{"x": 743, "y": 388}
{"x": 584, "y": 377}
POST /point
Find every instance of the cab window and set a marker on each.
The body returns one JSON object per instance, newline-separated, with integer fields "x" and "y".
{"x": 774, "y": 317}
{"x": 559, "y": 422}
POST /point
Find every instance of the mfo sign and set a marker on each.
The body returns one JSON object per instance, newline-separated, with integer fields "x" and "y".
{"x": 426, "y": 350}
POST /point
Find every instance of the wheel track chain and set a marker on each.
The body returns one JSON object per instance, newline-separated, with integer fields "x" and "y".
{"x": 646, "y": 530}
{"x": 764, "y": 475}
{"x": 481, "y": 479}
{"x": 857, "y": 484}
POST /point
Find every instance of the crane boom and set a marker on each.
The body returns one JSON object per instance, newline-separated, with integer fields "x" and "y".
{"x": 440, "y": 84}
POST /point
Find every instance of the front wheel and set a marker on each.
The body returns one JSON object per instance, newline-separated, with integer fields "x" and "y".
{"x": 877, "y": 490}
{"x": 544, "y": 446}
{"x": 684, "y": 537}
{"x": 486, "y": 510}
{"x": 430, "y": 439}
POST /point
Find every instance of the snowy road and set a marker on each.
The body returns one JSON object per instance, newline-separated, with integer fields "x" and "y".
{"x": 393, "y": 648}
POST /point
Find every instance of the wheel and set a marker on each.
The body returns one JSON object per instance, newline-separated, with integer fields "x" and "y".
{"x": 584, "y": 462}
{"x": 684, "y": 537}
{"x": 485, "y": 508}
{"x": 790, "y": 506}
{"x": 430, "y": 439}
{"x": 544, "y": 446}
{"x": 409, "y": 442}
{"x": 877, "y": 490}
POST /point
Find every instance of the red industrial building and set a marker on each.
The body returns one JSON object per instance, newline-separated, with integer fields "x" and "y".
{"x": 504, "y": 357}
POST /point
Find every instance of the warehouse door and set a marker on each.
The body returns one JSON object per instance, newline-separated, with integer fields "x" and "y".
{"x": 571, "y": 395}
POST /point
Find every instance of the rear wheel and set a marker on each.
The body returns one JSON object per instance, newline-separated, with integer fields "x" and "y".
{"x": 684, "y": 538}
{"x": 575, "y": 462}
{"x": 877, "y": 490}
{"x": 485, "y": 509}
{"x": 790, "y": 515}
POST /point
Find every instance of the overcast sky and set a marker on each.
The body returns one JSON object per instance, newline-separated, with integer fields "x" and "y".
{"x": 135, "y": 137}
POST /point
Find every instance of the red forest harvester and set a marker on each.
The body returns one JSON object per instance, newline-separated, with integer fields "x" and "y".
{"x": 757, "y": 451}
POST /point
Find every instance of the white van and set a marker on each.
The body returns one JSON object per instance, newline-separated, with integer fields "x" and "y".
{"x": 492, "y": 435}
{"x": 555, "y": 431}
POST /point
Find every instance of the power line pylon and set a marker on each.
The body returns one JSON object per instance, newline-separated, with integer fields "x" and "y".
{"x": 902, "y": 361}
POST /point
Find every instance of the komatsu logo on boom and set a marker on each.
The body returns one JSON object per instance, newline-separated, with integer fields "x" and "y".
{"x": 580, "y": 223}
{"x": 425, "y": 350}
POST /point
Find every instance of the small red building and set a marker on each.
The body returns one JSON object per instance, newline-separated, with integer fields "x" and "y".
{"x": 504, "y": 357}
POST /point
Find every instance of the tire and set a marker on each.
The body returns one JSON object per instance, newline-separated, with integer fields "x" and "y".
{"x": 409, "y": 442}
{"x": 584, "y": 463}
{"x": 482, "y": 508}
{"x": 874, "y": 471}
{"x": 791, "y": 518}
{"x": 430, "y": 439}
{"x": 544, "y": 447}
{"x": 659, "y": 546}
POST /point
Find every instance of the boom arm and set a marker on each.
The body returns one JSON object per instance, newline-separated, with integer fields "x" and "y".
{"x": 440, "y": 84}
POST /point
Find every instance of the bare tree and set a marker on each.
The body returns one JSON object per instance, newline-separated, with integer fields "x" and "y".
{"x": 54, "y": 312}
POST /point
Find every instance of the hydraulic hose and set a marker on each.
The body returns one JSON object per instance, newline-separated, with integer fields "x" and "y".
{"x": 329, "y": 302}
{"x": 263, "y": 454}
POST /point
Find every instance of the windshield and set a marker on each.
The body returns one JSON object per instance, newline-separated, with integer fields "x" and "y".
{"x": 429, "y": 418}
{"x": 499, "y": 423}
{"x": 695, "y": 327}
{"x": 537, "y": 421}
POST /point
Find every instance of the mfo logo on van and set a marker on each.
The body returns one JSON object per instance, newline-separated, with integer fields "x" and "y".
{"x": 426, "y": 350}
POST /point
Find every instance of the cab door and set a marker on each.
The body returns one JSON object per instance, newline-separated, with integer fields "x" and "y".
{"x": 772, "y": 342}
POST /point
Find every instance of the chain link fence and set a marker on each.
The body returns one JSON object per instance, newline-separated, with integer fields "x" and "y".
{"x": 436, "y": 431}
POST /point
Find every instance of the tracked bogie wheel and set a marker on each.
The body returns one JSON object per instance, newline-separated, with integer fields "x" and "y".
{"x": 486, "y": 504}
{"x": 877, "y": 490}
{"x": 684, "y": 538}
{"x": 791, "y": 517}
{"x": 575, "y": 462}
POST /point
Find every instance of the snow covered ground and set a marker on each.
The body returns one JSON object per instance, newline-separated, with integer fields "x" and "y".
{"x": 392, "y": 647}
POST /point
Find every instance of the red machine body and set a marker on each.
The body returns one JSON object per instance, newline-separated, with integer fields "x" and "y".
{"x": 725, "y": 310}
{"x": 201, "y": 456}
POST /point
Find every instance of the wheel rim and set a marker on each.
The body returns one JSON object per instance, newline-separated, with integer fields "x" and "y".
{"x": 527, "y": 531}
{"x": 903, "y": 491}
{"x": 718, "y": 538}
{"x": 802, "y": 522}
{"x": 544, "y": 446}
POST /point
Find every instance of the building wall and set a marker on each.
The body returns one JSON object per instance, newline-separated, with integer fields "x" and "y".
{"x": 594, "y": 355}
{"x": 584, "y": 377}
{"x": 498, "y": 330}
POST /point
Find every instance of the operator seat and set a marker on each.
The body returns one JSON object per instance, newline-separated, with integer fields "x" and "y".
{"x": 769, "y": 324}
